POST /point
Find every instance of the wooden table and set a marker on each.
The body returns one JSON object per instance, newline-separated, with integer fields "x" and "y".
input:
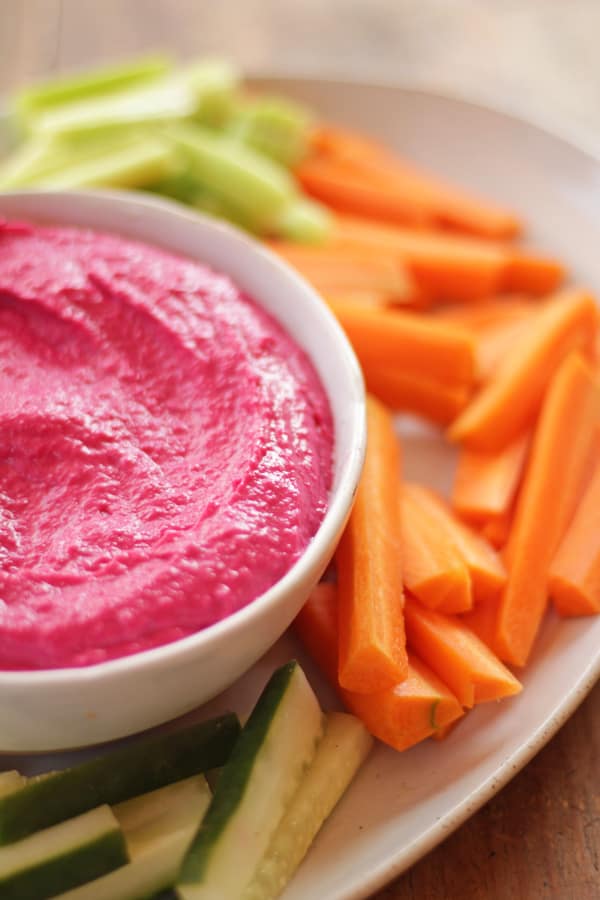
{"x": 539, "y": 839}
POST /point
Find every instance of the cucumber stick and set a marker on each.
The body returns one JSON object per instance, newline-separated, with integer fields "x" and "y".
{"x": 344, "y": 747}
{"x": 58, "y": 858}
{"x": 265, "y": 768}
{"x": 137, "y": 768}
{"x": 158, "y": 829}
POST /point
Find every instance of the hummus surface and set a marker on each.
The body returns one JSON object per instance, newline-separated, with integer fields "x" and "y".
{"x": 165, "y": 447}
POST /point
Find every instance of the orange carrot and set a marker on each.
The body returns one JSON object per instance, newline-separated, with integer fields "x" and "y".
{"x": 508, "y": 404}
{"x": 485, "y": 484}
{"x": 408, "y": 343}
{"x": 495, "y": 345}
{"x": 491, "y": 312}
{"x": 377, "y": 299}
{"x": 488, "y": 576}
{"x": 402, "y": 715}
{"x": 337, "y": 269}
{"x": 482, "y": 619}
{"x": 560, "y": 459}
{"x": 372, "y": 652}
{"x": 496, "y": 530}
{"x": 457, "y": 656}
{"x": 452, "y": 268}
{"x": 348, "y": 191}
{"x": 442, "y": 733}
{"x": 442, "y": 203}
{"x": 434, "y": 400}
{"x": 434, "y": 570}
{"x": 575, "y": 571}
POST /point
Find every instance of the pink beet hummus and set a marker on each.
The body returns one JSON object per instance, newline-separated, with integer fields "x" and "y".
{"x": 165, "y": 447}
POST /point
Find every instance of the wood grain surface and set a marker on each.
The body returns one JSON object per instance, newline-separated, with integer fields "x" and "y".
{"x": 539, "y": 839}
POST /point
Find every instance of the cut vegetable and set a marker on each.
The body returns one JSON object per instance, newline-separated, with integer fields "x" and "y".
{"x": 158, "y": 829}
{"x": 203, "y": 90}
{"x": 40, "y": 98}
{"x": 260, "y": 188}
{"x": 133, "y": 165}
{"x": 304, "y": 221}
{"x": 434, "y": 570}
{"x": 434, "y": 400}
{"x": 400, "y": 716}
{"x": 275, "y": 127}
{"x": 431, "y": 198}
{"x": 457, "y": 656}
{"x": 11, "y": 781}
{"x": 452, "y": 268}
{"x": 485, "y": 567}
{"x": 507, "y": 405}
{"x": 254, "y": 789}
{"x": 575, "y": 571}
{"x": 559, "y": 464}
{"x": 486, "y": 484}
{"x": 334, "y": 270}
{"x": 62, "y": 857}
{"x": 408, "y": 344}
{"x": 344, "y": 747}
{"x": 372, "y": 653}
{"x": 145, "y": 765}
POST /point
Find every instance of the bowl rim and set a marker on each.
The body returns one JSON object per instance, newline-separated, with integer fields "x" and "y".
{"x": 341, "y": 493}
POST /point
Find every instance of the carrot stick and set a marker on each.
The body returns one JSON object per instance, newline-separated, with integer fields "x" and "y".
{"x": 495, "y": 345}
{"x": 343, "y": 189}
{"x": 508, "y": 404}
{"x": 457, "y": 656}
{"x": 336, "y": 269}
{"x": 488, "y": 313}
{"x": 575, "y": 571}
{"x": 482, "y": 619}
{"x": 496, "y": 530}
{"x": 433, "y": 400}
{"x": 485, "y": 484}
{"x": 443, "y": 203}
{"x": 434, "y": 570}
{"x": 561, "y": 454}
{"x": 408, "y": 343}
{"x": 402, "y": 715}
{"x": 488, "y": 576}
{"x": 372, "y": 652}
{"x": 453, "y": 268}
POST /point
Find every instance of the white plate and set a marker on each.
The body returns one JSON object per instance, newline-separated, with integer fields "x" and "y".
{"x": 401, "y": 805}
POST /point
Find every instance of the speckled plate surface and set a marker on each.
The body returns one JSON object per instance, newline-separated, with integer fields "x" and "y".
{"x": 401, "y": 805}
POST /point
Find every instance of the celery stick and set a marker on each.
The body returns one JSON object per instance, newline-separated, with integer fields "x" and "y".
{"x": 278, "y": 128}
{"x": 135, "y": 165}
{"x": 204, "y": 86}
{"x": 42, "y": 97}
{"x": 305, "y": 221}
{"x": 33, "y": 157}
{"x": 256, "y": 186}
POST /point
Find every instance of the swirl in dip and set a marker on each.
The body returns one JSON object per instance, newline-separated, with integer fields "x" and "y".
{"x": 165, "y": 447}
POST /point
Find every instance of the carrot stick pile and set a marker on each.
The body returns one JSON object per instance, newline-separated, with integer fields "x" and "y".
{"x": 453, "y": 321}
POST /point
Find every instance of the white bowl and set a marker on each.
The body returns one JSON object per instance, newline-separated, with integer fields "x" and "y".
{"x": 59, "y": 708}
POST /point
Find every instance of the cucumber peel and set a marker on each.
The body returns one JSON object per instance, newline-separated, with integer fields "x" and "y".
{"x": 135, "y": 769}
{"x": 277, "y": 744}
{"x": 63, "y": 856}
{"x": 345, "y": 745}
{"x": 158, "y": 829}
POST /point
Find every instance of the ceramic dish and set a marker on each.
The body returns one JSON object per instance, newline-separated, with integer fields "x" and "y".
{"x": 74, "y": 707}
{"x": 401, "y": 805}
